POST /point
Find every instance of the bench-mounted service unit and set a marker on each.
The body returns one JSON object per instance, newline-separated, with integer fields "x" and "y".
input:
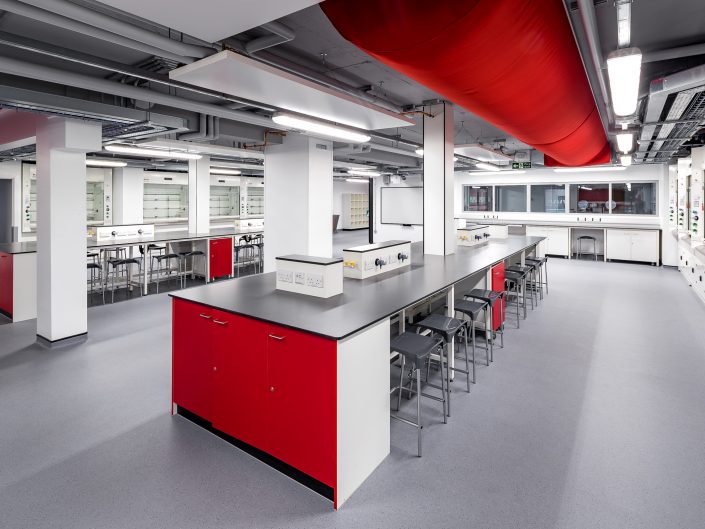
{"x": 369, "y": 260}
{"x": 321, "y": 277}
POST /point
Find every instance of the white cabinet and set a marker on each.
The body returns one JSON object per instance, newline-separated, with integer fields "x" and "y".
{"x": 356, "y": 211}
{"x": 557, "y": 239}
{"x": 633, "y": 245}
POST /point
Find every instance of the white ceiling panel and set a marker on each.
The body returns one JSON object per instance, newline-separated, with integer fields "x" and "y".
{"x": 240, "y": 76}
{"x": 481, "y": 152}
{"x": 211, "y": 20}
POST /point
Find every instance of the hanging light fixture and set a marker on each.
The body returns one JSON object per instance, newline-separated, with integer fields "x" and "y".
{"x": 624, "y": 70}
{"x": 625, "y": 140}
{"x": 92, "y": 162}
{"x": 320, "y": 127}
{"x": 626, "y": 161}
{"x": 155, "y": 153}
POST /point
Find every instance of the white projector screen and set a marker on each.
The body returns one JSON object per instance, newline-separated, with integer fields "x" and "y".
{"x": 402, "y": 205}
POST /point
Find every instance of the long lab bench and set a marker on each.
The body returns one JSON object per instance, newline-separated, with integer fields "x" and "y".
{"x": 305, "y": 380}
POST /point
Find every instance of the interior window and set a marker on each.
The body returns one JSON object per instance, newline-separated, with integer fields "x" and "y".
{"x": 638, "y": 198}
{"x": 590, "y": 198}
{"x": 477, "y": 198}
{"x": 510, "y": 198}
{"x": 549, "y": 198}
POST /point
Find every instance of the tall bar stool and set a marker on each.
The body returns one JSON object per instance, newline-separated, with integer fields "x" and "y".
{"x": 244, "y": 253}
{"x": 447, "y": 329}
{"x": 542, "y": 263}
{"x": 491, "y": 297}
{"x": 472, "y": 310}
{"x": 515, "y": 284}
{"x": 416, "y": 349}
{"x": 258, "y": 243}
{"x": 167, "y": 258}
{"x": 96, "y": 272}
{"x": 183, "y": 262}
{"x": 120, "y": 267}
{"x": 529, "y": 269}
{"x": 580, "y": 245}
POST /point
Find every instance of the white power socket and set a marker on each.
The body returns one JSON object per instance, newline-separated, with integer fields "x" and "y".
{"x": 393, "y": 259}
{"x": 369, "y": 264}
{"x": 285, "y": 276}
{"x": 300, "y": 278}
{"x": 314, "y": 280}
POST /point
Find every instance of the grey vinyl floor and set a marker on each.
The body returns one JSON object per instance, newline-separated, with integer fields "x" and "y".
{"x": 592, "y": 416}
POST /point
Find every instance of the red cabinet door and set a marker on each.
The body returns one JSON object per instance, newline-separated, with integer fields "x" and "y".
{"x": 6, "y": 283}
{"x": 221, "y": 257}
{"x": 239, "y": 348}
{"x": 192, "y": 358}
{"x": 499, "y": 310}
{"x": 301, "y": 404}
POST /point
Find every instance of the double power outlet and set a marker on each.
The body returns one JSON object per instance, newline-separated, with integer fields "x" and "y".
{"x": 300, "y": 278}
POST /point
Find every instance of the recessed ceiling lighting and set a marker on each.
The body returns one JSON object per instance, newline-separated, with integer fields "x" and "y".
{"x": 90, "y": 162}
{"x": 156, "y": 153}
{"x": 320, "y": 127}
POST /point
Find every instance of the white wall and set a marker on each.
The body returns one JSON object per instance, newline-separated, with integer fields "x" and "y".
{"x": 387, "y": 232}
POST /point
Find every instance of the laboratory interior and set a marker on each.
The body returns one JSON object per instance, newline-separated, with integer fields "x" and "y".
{"x": 299, "y": 264}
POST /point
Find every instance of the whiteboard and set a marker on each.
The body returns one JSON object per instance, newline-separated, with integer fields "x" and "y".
{"x": 402, "y": 205}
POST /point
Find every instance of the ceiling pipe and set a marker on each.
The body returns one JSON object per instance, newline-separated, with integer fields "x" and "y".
{"x": 201, "y": 133}
{"x": 113, "y": 25}
{"x": 586, "y": 10}
{"x": 53, "y": 75}
{"x": 673, "y": 53}
{"x": 280, "y": 35}
{"x": 53, "y": 19}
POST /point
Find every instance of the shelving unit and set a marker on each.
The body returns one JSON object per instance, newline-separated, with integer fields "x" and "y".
{"x": 356, "y": 211}
{"x": 165, "y": 203}
{"x": 225, "y": 201}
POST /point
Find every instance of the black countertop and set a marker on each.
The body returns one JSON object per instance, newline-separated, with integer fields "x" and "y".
{"x": 363, "y": 302}
{"x": 376, "y": 246}
{"x": 311, "y": 259}
{"x": 18, "y": 247}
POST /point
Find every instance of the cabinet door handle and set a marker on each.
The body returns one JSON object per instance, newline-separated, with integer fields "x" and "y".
{"x": 206, "y": 316}
{"x": 280, "y": 338}
{"x": 215, "y": 368}
{"x": 271, "y": 389}
{"x": 220, "y": 322}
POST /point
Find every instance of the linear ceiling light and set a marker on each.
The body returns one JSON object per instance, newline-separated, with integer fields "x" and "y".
{"x": 356, "y": 180}
{"x": 487, "y": 173}
{"x": 487, "y": 166}
{"x": 215, "y": 170}
{"x": 104, "y": 163}
{"x": 626, "y": 161}
{"x": 360, "y": 172}
{"x": 419, "y": 151}
{"x": 624, "y": 69}
{"x": 624, "y": 23}
{"x": 172, "y": 155}
{"x": 625, "y": 141}
{"x": 589, "y": 169}
{"x": 320, "y": 127}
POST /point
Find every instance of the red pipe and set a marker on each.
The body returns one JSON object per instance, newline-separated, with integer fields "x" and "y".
{"x": 514, "y": 63}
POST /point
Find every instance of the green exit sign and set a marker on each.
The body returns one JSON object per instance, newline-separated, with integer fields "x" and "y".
{"x": 521, "y": 165}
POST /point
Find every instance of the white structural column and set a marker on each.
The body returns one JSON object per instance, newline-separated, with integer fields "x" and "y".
{"x": 61, "y": 226}
{"x": 199, "y": 195}
{"x": 128, "y": 196}
{"x": 298, "y": 198}
{"x": 438, "y": 185}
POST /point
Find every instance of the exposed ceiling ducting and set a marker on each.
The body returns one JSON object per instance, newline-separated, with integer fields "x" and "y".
{"x": 526, "y": 78}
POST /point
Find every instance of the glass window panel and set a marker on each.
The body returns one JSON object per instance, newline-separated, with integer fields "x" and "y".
{"x": 477, "y": 198}
{"x": 589, "y": 198}
{"x": 510, "y": 198}
{"x": 549, "y": 198}
{"x": 634, "y": 199}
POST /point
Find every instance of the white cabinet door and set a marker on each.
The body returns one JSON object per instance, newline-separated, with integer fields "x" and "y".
{"x": 619, "y": 245}
{"x": 644, "y": 246}
{"x": 559, "y": 241}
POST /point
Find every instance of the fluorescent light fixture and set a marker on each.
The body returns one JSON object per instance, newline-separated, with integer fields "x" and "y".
{"x": 215, "y": 170}
{"x": 90, "y": 162}
{"x": 419, "y": 152}
{"x": 624, "y": 69}
{"x": 586, "y": 188}
{"x": 589, "y": 169}
{"x": 626, "y": 161}
{"x": 625, "y": 141}
{"x": 320, "y": 127}
{"x": 487, "y": 166}
{"x": 624, "y": 23}
{"x": 487, "y": 173}
{"x": 356, "y": 180}
{"x": 173, "y": 155}
{"x": 476, "y": 187}
{"x": 360, "y": 172}
{"x": 455, "y": 158}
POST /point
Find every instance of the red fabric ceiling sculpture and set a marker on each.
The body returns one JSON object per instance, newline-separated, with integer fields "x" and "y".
{"x": 514, "y": 63}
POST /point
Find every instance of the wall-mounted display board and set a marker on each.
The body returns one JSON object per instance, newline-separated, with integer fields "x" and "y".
{"x": 402, "y": 205}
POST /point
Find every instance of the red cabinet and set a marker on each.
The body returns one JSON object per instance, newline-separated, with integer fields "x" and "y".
{"x": 6, "y": 283}
{"x": 499, "y": 310}
{"x": 192, "y": 358}
{"x": 221, "y": 257}
{"x": 271, "y": 387}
